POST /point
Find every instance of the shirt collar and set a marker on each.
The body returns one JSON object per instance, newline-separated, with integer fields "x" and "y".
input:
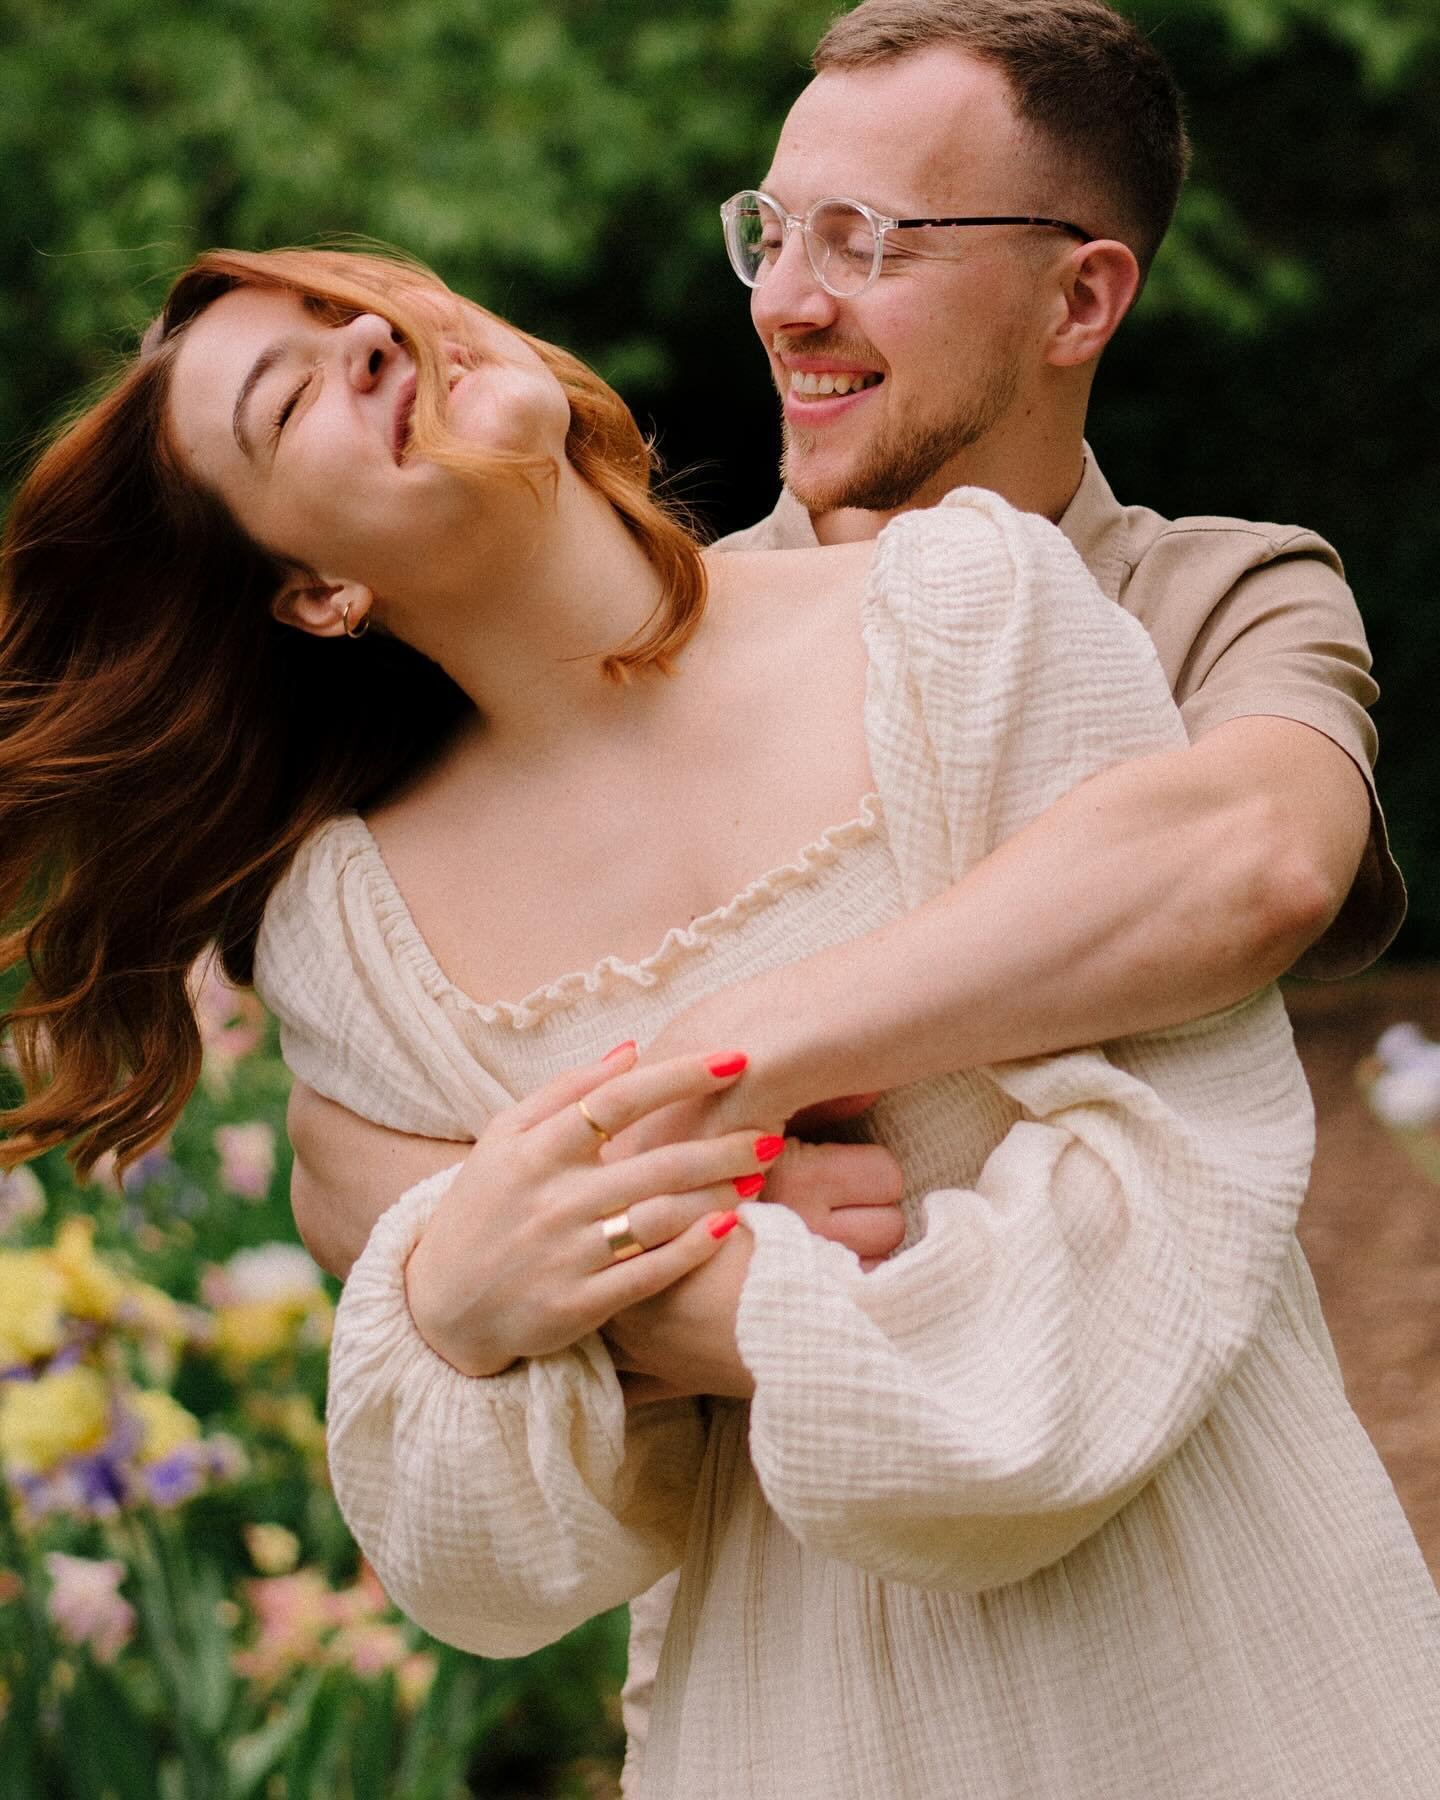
{"x": 1095, "y": 524}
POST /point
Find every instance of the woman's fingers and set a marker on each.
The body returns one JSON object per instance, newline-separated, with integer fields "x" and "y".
{"x": 637, "y": 1278}
{"x": 659, "y": 1219}
{"x": 743, "y": 1158}
{"x": 619, "y": 1099}
{"x": 872, "y": 1232}
{"x": 574, "y": 1084}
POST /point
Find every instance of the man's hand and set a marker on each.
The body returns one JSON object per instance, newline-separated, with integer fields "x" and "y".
{"x": 682, "y": 1341}
{"x": 348, "y": 1171}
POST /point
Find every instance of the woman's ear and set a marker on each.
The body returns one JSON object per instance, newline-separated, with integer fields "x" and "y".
{"x": 322, "y": 608}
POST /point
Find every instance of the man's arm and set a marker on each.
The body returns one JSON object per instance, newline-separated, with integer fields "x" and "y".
{"x": 348, "y": 1171}
{"x": 1158, "y": 891}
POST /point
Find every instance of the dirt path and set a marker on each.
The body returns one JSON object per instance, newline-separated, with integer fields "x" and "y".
{"x": 1371, "y": 1228}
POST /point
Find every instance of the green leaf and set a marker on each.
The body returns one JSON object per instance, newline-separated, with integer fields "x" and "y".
{"x": 250, "y": 1760}
{"x": 108, "y": 1748}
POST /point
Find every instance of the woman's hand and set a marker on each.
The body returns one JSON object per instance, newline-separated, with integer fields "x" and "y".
{"x": 516, "y": 1260}
{"x": 682, "y": 1340}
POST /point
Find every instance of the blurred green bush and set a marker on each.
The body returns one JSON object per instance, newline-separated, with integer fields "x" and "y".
{"x": 563, "y": 163}
{"x": 182, "y": 1612}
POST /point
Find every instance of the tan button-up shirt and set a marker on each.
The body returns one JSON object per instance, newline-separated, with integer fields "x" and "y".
{"x": 1246, "y": 619}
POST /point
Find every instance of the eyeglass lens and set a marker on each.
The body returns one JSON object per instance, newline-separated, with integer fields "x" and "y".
{"x": 838, "y": 237}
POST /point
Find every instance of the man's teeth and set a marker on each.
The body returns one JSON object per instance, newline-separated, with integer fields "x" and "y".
{"x": 841, "y": 383}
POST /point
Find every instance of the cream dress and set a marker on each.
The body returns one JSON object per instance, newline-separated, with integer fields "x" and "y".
{"x": 1063, "y": 1502}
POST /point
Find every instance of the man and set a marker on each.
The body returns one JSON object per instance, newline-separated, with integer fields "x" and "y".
{"x": 913, "y": 358}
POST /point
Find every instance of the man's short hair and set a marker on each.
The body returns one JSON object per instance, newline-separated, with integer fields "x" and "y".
{"x": 1086, "y": 82}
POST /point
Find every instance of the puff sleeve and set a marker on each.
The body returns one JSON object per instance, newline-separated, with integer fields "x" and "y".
{"x": 499, "y": 1513}
{"x": 969, "y": 1412}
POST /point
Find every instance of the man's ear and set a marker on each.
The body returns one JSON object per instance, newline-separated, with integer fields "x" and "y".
{"x": 322, "y": 608}
{"x": 1101, "y": 281}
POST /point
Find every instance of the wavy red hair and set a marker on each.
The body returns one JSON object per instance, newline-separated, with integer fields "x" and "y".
{"x": 165, "y": 744}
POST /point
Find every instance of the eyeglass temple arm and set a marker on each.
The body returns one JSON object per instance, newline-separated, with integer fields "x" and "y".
{"x": 1075, "y": 231}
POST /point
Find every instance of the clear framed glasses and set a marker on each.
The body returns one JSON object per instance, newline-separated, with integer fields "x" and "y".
{"x": 844, "y": 239}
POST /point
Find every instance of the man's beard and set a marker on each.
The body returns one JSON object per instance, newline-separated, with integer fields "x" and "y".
{"x": 898, "y": 463}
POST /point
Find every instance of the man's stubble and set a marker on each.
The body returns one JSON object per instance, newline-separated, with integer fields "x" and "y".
{"x": 902, "y": 459}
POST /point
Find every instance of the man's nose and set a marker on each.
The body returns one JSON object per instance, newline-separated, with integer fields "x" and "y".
{"x": 370, "y": 344}
{"x": 790, "y": 297}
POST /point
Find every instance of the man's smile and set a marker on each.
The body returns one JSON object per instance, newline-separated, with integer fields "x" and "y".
{"x": 818, "y": 388}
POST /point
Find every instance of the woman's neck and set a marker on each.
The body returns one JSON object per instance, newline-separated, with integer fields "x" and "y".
{"x": 554, "y": 583}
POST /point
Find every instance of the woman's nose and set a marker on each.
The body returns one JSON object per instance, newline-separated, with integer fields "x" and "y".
{"x": 370, "y": 345}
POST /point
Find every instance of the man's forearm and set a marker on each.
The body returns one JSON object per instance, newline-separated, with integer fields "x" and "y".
{"x": 1155, "y": 893}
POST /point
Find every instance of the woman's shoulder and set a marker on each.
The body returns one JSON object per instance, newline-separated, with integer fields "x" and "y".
{"x": 304, "y": 940}
{"x": 340, "y": 965}
{"x": 813, "y": 571}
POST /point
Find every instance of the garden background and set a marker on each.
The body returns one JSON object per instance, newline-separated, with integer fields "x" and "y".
{"x": 564, "y": 164}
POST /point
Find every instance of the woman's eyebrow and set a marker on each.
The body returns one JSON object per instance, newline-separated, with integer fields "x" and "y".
{"x": 258, "y": 370}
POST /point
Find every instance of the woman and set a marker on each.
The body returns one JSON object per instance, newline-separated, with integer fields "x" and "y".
{"x": 1029, "y": 1509}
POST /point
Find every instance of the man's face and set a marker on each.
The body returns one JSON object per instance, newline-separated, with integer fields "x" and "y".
{"x": 953, "y": 323}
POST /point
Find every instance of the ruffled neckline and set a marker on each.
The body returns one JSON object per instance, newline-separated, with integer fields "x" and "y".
{"x": 404, "y": 938}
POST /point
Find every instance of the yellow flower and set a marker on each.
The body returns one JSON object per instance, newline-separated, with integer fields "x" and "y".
{"x": 32, "y": 1294}
{"x": 254, "y": 1329}
{"x": 273, "y": 1549}
{"x": 155, "y": 1314}
{"x": 61, "y": 1415}
{"x": 164, "y": 1422}
{"x": 414, "y": 1679}
{"x": 292, "y": 1417}
{"x": 92, "y": 1289}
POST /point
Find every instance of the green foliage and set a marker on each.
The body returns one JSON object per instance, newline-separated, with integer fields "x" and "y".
{"x": 564, "y": 162}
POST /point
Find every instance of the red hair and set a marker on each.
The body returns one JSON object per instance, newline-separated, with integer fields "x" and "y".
{"x": 165, "y": 744}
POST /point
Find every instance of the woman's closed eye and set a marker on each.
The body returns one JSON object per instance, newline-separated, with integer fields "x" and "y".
{"x": 287, "y": 407}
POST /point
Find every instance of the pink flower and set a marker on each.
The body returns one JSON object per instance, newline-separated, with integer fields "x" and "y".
{"x": 364, "y": 1602}
{"x": 247, "y": 1158}
{"x": 371, "y": 1649}
{"x": 86, "y": 1605}
{"x": 294, "y": 1618}
{"x": 231, "y": 1021}
{"x": 21, "y": 1198}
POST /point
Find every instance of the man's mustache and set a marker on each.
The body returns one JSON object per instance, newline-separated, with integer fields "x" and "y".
{"x": 840, "y": 349}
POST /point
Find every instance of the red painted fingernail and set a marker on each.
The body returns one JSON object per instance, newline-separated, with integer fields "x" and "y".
{"x": 724, "y": 1224}
{"x": 768, "y": 1148}
{"x": 748, "y": 1186}
{"x": 619, "y": 1050}
{"x": 731, "y": 1063}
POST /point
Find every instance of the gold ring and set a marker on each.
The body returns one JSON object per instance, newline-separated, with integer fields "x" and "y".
{"x": 593, "y": 1122}
{"x": 622, "y": 1240}
{"x": 345, "y": 622}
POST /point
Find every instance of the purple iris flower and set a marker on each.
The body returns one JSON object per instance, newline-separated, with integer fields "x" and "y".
{"x": 175, "y": 1477}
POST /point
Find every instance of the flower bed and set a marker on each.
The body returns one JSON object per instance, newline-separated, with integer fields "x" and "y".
{"x": 182, "y": 1613}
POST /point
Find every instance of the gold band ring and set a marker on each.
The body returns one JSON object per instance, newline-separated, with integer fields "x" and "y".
{"x": 622, "y": 1241}
{"x": 593, "y": 1122}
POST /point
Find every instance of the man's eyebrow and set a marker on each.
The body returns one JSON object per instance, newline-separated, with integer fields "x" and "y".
{"x": 258, "y": 370}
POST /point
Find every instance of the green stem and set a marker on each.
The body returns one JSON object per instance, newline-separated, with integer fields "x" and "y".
{"x": 161, "y": 1623}
{"x": 23, "y": 1732}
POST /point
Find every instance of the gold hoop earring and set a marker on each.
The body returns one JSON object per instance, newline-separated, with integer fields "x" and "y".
{"x": 345, "y": 622}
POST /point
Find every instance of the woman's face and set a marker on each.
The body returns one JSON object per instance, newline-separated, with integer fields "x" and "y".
{"x": 301, "y": 428}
